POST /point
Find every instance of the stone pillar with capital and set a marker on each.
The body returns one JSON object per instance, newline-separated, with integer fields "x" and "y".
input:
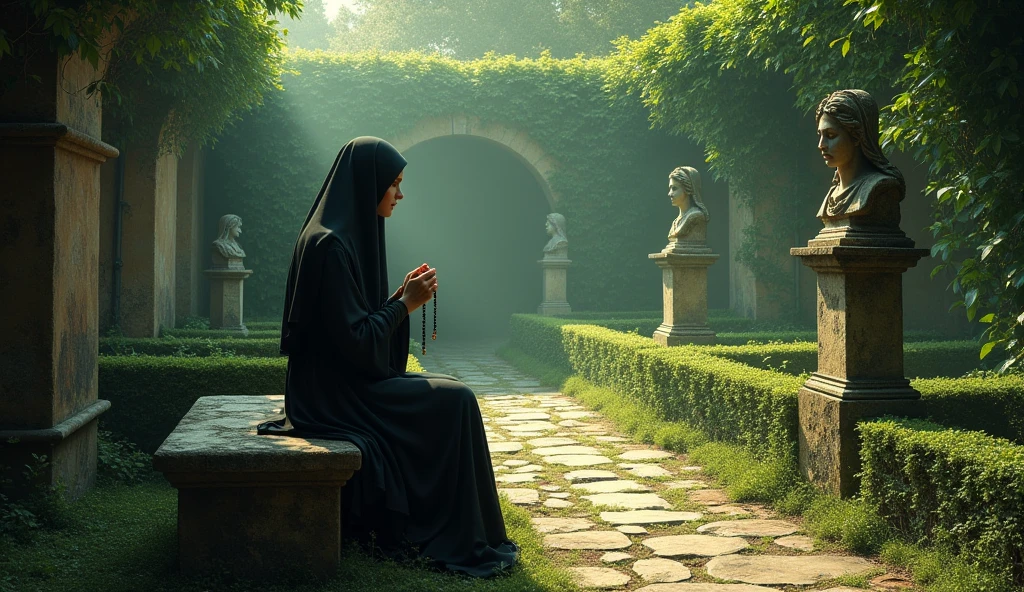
{"x": 684, "y": 265}
{"x": 227, "y": 277}
{"x": 555, "y": 264}
{"x": 859, "y": 257}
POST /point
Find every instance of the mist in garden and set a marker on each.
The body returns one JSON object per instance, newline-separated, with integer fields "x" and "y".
{"x": 511, "y": 295}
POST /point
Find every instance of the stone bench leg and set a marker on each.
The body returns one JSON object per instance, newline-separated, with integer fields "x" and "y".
{"x": 256, "y": 529}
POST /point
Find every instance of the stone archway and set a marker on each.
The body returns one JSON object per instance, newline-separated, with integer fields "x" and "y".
{"x": 519, "y": 143}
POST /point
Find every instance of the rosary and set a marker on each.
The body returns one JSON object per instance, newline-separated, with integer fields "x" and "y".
{"x": 433, "y": 336}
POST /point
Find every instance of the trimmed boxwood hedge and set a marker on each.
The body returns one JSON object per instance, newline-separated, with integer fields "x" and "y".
{"x": 219, "y": 334}
{"x": 963, "y": 490}
{"x": 921, "y": 359}
{"x": 150, "y": 394}
{"x": 190, "y": 346}
{"x": 993, "y": 404}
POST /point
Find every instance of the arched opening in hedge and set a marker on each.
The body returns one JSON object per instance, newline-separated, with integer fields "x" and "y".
{"x": 475, "y": 210}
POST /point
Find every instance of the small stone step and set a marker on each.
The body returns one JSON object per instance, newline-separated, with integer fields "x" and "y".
{"x": 798, "y": 570}
{"x": 661, "y": 570}
{"x": 695, "y": 544}
{"x": 604, "y": 540}
{"x": 599, "y": 577}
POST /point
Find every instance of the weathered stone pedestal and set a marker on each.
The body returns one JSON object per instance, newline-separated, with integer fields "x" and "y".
{"x": 555, "y": 271}
{"x": 226, "y": 294}
{"x": 254, "y": 505}
{"x": 860, "y": 352}
{"x": 684, "y": 273}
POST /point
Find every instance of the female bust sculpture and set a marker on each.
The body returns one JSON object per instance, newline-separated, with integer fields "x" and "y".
{"x": 684, "y": 189}
{"x": 225, "y": 245}
{"x": 558, "y": 246}
{"x": 866, "y": 189}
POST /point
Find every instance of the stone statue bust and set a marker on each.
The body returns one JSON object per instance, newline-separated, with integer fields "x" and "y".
{"x": 225, "y": 247}
{"x": 684, "y": 189}
{"x": 558, "y": 246}
{"x": 866, "y": 189}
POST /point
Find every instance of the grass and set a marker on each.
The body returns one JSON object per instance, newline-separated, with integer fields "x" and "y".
{"x": 849, "y": 525}
{"x": 122, "y": 538}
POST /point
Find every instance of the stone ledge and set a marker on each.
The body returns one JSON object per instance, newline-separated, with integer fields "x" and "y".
{"x": 58, "y": 135}
{"x": 59, "y": 432}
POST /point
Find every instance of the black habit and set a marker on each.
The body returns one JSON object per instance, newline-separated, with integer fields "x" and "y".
{"x": 426, "y": 479}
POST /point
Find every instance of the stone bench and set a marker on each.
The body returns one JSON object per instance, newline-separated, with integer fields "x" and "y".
{"x": 252, "y": 504}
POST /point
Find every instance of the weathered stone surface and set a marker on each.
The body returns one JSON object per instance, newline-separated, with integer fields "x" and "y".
{"x": 521, "y": 496}
{"x": 529, "y": 469}
{"x": 606, "y": 540}
{"x": 575, "y": 414}
{"x": 615, "y": 486}
{"x": 686, "y": 484}
{"x": 645, "y": 470}
{"x": 531, "y": 426}
{"x": 561, "y": 495}
{"x": 710, "y": 496}
{"x": 587, "y": 475}
{"x": 504, "y": 447}
{"x": 751, "y": 528}
{"x": 516, "y": 478}
{"x": 564, "y": 450}
{"x": 611, "y": 439}
{"x": 691, "y": 469}
{"x": 578, "y": 460}
{"x": 553, "y": 441}
{"x": 550, "y": 487}
{"x": 557, "y": 503}
{"x": 516, "y": 463}
{"x": 631, "y": 529}
{"x": 798, "y": 542}
{"x": 649, "y": 517}
{"x": 615, "y": 557}
{"x": 661, "y": 570}
{"x": 695, "y": 544}
{"x": 645, "y": 455}
{"x": 702, "y": 587}
{"x": 800, "y": 570}
{"x": 599, "y": 577}
{"x": 529, "y": 416}
{"x": 558, "y": 525}
{"x": 629, "y": 501}
{"x": 571, "y": 423}
{"x": 727, "y": 510}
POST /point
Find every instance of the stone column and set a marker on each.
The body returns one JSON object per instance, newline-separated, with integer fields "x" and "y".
{"x": 188, "y": 249}
{"x": 684, "y": 275}
{"x": 226, "y": 293}
{"x": 555, "y": 271}
{"x": 50, "y": 156}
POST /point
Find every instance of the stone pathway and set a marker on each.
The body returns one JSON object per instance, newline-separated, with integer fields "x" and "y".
{"x": 626, "y": 516}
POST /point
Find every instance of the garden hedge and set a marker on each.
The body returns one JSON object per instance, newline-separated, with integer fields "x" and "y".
{"x": 150, "y": 394}
{"x": 220, "y": 334}
{"x": 190, "y": 346}
{"x": 962, "y": 490}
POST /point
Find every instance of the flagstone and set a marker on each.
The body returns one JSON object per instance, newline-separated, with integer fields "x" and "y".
{"x": 599, "y": 577}
{"x": 615, "y": 557}
{"x": 532, "y": 416}
{"x": 529, "y": 434}
{"x": 574, "y": 414}
{"x": 557, "y": 503}
{"x": 561, "y": 450}
{"x": 585, "y": 475}
{"x": 645, "y": 470}
{"x": 516, "y": 463}
{"x": 571, "y": 423}
{"x": 550, "y": 487}
{"x": 705, "y": 587}
{"x": 517, "y": 478}
{"x": 686, "y": 484}
{"x": 521, "y": 496}
{"x": 727, "y": 510}
{"x": 546, "y": 525}
{"x": 645, "y": 455}
{"x": 531, "y": 426}
{"x": 505, "y": 447}
{"x": 798, "y": 542}
{"x": 649, "y": 517}
{"x": 603, "y": 540}
{"x": 749, "y": 528}
{"x": 578, "y": 460}
{"x": 796, "y": 570}
{"x": 616, "y": 486}
{"x": 631, "y": 529}
{"x": 709, "y": 496}
{"x": 691, "y": 469}
{"x": 529, "y": 469}
{"x": 611, "y": 439}
{"x": 554, "y": 441}
{"x": 696, "y": 544}
{"x": 629, "y": 501}
{"x": 661, "y": 570}
{"x": 561, "y": 495}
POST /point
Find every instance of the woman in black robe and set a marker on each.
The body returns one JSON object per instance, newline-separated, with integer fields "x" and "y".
{"x": 426, "y": 480}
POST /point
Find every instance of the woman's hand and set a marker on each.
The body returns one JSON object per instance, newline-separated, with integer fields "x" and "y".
{"x": 401, "y": 289}
{"x": 419, "y": 288}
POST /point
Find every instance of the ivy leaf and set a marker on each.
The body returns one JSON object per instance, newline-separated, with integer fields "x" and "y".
{"x": 987, "y": 349}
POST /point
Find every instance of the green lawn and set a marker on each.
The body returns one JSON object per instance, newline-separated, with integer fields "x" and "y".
{"x": 122, "y": 538}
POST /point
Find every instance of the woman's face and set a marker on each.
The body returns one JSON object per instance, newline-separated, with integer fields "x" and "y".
{"x": 835, "y": 143}
{"x": 676, "y": 193}
{"x": 390, "y": 200}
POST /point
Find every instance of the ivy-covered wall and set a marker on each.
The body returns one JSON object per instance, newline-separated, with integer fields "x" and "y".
{"x": 610, "y": 175}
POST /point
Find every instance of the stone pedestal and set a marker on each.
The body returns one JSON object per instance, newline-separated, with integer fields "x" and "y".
{"x": 554, "y": 302}
{"x": 50, "y": 156}
{"x": 226, "y": 294}
{"x": 254, "y": 505}
{"x": 684, "y": 274}
{"x": 860, "y": 352}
